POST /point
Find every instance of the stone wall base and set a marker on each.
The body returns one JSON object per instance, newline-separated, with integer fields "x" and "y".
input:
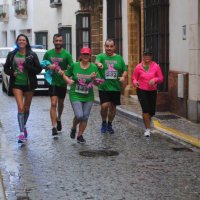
{"x": 194, "y": 110}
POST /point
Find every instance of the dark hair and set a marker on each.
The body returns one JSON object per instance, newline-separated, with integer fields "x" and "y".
{"x": 57, "y": 35}
{"x": 110, "y": 40}
{"x": 28, "y": 46}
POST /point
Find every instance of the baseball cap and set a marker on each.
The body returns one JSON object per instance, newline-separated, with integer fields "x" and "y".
{"x": 147, "y": 52}
{"x": 86, "y": 50}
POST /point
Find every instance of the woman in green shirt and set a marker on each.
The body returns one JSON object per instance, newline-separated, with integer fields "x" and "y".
{"x": 22, "y": 65}
{"x": 83, "y": 75}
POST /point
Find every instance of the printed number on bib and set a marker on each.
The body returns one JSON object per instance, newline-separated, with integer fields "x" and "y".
{"x": 111, "y": 74}
{"x": 83, "y": 89}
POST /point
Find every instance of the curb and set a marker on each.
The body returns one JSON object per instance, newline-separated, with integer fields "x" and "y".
{"x": 170, "y": 132}
{"x": 177, "y": 134}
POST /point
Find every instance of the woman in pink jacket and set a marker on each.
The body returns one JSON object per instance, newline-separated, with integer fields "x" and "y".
{"x": 146, "y": 76}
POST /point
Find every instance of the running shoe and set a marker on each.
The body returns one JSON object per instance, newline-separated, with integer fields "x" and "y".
{"x": 147, "y": 133}
{"x": 110, "y": 129}
{"x": 103, "y": 127}
{"x": 54, "y": 132}
{"x": 73, "y": 133}
{"x": 81, "y": 140}
{"x": 59, "y": 125}
{"x": 21, "y": 139}
{"x": 25, "y": 133}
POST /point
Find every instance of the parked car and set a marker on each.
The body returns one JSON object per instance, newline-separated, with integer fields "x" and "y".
{"x": 43, "y": 85}
{"x": 3, "y": 54}
{"x": 37, "y": 46}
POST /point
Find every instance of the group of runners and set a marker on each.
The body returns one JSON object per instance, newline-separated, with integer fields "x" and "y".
{"x": 108, "y": 72}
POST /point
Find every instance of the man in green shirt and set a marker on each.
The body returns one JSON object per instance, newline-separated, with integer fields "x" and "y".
{"x": 113, "y": 69}
{"x": 60, "y": 59}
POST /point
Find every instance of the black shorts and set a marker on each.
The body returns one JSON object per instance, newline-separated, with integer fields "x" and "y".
{"x": 110, "y": 96}
{"x": 57, "y": 91}
{"x": 147, "y": 101}
{"x": 23, "y": 88}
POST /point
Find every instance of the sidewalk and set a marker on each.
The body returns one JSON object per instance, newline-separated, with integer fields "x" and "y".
{"x": 168, "y": 123}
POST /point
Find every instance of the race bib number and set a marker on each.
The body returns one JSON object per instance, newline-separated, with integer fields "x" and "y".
{"x": 82, "y": 89}
{"x": 111, "y": 74}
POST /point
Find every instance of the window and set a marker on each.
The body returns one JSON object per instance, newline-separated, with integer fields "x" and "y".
{"x": 156, "y": 34}
{"x": 82, "y": 31}
{"x": 41, "y": 39}
{"x": 114, "y": 23}
{"x": 66, "y": 32}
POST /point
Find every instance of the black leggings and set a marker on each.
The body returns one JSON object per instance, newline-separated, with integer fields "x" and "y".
{"x": 147, "y": 101}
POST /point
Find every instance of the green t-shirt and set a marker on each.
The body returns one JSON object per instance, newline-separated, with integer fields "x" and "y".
{"x": 146, "y": 67}
{"x": 22, "y": 77}
{"x": 113, "y": 68}
{"x": 62, "y": 60}
{"x": 80, "y": 91}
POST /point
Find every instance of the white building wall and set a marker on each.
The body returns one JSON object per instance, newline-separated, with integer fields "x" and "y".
{"x": 178, "y": 51}
{"x": 41, "y": 17}
{"x": 185, "y": 52}
{"x": 125, "y": 30}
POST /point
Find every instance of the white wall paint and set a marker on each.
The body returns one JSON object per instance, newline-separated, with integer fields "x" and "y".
{"x": 125, "y": 30}
{"x": 185, "y": 54}
{"x": 178, "y": 51}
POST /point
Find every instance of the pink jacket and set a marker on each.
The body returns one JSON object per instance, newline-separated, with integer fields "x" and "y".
{"x": 143, "y": 77}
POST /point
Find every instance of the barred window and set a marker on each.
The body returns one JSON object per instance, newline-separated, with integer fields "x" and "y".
{"x": 156, "y": 34}
{"x": 114, "y": 23}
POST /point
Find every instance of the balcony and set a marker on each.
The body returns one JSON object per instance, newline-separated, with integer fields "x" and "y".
{"x": 20, "y": 9}
{"x": 4, "y": 13}
{"x": 55, "y": 3}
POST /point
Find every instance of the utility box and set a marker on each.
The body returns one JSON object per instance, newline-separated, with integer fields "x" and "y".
{"x": 180, "y": 86}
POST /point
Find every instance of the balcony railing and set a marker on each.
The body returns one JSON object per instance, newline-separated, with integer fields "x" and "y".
{"x": 55, "y": 3}
{"x": 20, "y": 9}
{"x": 4, "y": 13}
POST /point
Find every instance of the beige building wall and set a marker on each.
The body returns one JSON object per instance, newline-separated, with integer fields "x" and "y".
{"x": 135, "y": 39}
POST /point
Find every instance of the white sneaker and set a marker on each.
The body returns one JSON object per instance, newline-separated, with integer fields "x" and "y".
{"x": 147, "y": 133}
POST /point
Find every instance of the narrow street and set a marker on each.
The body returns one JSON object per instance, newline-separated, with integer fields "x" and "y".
{"x": 123, "y": 166}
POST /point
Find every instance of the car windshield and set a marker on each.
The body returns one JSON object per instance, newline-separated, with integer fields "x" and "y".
{"x": 4, "y": 53}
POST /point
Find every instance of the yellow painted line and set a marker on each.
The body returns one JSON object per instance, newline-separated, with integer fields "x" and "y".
{"x": 192, "y": 140}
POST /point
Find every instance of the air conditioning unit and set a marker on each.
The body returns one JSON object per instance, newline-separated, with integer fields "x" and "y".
{"x": 55, "y": 3}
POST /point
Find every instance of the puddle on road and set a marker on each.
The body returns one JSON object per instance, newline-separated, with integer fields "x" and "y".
{"x": 7, "y": 156}
{"x": 97, "y": 153}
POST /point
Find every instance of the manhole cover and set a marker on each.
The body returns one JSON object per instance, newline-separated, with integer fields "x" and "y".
{"x": 23, "y": 198}
{"x": 165, "y": 117}
{"x": 96, "y": 153}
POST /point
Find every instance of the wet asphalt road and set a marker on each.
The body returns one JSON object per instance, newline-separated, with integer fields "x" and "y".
{"x": 48, "y": 169}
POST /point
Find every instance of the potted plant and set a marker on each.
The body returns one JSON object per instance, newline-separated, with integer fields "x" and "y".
{"x": 23, "y": 11}
{"x": 3, "y": 14}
